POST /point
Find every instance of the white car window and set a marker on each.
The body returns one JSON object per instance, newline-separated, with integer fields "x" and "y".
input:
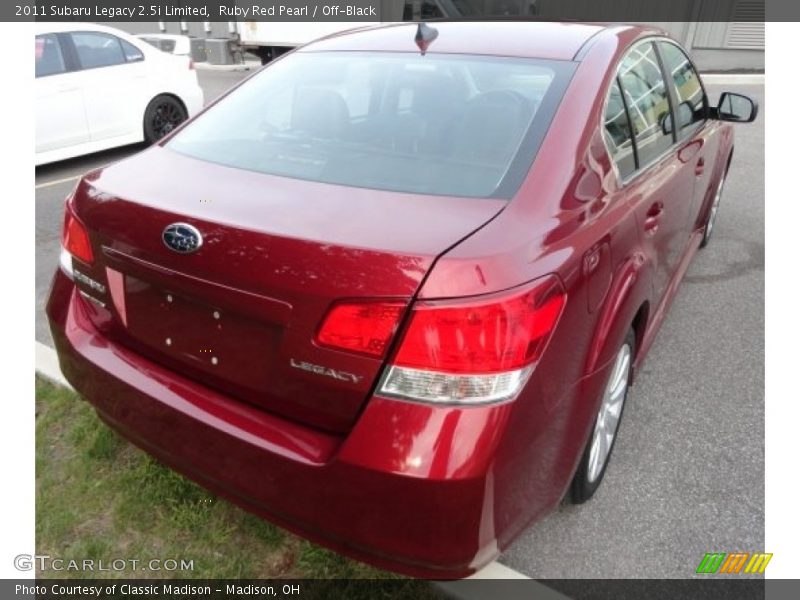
{"x": 132, "y": 53}
{"x": 49, "y": 60}
{"x": 97, "y": 49}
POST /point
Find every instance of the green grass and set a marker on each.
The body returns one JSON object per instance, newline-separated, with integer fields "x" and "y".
{"x": 99, "y": 497}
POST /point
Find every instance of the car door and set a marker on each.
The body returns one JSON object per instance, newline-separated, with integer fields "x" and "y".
{"x": 114, "y": 80}
{"x": 60, "y": 112}
{"x": 662, "y": 186}
{"x": 697, "y": 144}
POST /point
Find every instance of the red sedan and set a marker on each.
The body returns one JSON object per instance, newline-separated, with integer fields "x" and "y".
{"x": 391, "y": 291}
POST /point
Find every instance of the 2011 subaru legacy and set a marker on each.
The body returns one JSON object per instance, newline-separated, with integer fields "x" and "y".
{"x": 391, "y": 291}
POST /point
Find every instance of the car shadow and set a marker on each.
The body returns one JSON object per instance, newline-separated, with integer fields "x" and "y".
{"x": 78, "y": 165}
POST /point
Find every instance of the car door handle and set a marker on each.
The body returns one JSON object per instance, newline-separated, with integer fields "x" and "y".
{"x": 67, "y": 87}
{"x": 653, "y": 218}
{"x": 700, "y": 166}
{"x": 690, "y": 150}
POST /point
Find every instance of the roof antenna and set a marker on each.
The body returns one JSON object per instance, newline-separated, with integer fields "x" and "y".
{"x": 425, "y": 36}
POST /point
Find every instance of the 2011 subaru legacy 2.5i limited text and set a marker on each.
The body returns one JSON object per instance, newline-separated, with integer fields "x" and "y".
{"x": 390, "y": 292}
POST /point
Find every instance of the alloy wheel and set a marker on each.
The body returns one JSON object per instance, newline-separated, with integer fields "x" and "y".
{"x": 608, "y": 416}
{"x": 166, "y": 117}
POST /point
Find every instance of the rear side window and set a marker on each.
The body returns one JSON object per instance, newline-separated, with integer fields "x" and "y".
{"x": 647, "y": 100}
{"x": 433, "y": 124}
{"x": 617, "y": 133}
{"x": 49, "y": 60}
{"x": 97, "y": 49}
{"x": 132, "y": 53}
{"x": 691, "y": 99}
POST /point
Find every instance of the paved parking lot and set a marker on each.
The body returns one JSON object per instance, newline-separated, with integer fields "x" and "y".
{"x": 687, "y": 476}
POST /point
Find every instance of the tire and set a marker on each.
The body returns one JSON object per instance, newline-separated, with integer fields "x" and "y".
{"x": 593, "y": 464}
{"x": 708, "y": 229}
{"x": 162, "y": 115}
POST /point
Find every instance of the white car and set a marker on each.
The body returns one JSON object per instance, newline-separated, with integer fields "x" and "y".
{"x": 98, "y": 87}
{"x": 171, "y": 43}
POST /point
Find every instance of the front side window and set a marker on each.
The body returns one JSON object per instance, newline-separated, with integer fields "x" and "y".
{"x": 691, "y": 99}
{"x": 647, "y": 100}
{"x": 434, "y": 124}
{"x": 49, "y": 60}
{"x": 96, "y": 49}
{"x": 617, "y": 133}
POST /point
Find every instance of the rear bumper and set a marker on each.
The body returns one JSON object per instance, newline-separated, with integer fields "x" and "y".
{"x": 408, "y": 488}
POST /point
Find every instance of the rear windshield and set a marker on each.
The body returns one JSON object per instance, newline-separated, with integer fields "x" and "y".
{"x": 434, "y": 124}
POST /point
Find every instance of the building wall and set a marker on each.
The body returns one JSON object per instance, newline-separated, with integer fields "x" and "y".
{"x": 721, "y": 46}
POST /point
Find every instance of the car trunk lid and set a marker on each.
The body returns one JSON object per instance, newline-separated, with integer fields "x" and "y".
{"x": 240, "y": 313}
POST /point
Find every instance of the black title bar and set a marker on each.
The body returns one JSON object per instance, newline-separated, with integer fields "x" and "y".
{"x": 399, "y": 10}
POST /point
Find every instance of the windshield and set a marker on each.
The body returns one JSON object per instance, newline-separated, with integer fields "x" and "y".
{"x": 433, "y": 124}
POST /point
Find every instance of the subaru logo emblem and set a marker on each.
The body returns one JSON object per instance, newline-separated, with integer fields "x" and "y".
{"x": 182, "y": 237}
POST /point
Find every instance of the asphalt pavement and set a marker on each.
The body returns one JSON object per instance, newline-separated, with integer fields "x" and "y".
{"x": 687, "y": 474}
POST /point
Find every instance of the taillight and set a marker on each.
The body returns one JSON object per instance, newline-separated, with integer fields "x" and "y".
{"x": 474, "y": 350}
{"x": 191, "y": 65}
{"x": 362, "y": 327}
{"x": 75, "y": 239}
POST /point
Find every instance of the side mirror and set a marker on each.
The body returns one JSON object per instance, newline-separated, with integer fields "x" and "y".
{"x": 736, "y": 108}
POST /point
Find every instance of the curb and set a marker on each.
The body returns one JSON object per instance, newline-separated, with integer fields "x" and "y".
{"x": 47, "y": 365}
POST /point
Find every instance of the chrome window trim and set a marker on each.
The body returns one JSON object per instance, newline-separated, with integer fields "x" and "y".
{"x": 615, "y": 81}
{"x": 641, "y": 169}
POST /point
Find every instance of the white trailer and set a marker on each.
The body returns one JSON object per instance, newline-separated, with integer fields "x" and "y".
{"x": 269, "y": 39}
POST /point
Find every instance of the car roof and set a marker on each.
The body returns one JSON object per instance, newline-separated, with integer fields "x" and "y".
{"x": 531, "y": 39}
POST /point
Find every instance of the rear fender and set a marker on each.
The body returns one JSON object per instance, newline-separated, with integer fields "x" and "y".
{"x": 630, "y": 288}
